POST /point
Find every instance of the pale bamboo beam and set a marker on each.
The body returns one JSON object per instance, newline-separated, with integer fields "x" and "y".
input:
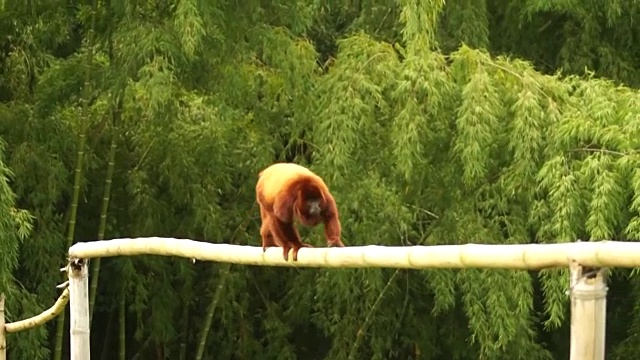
{"x": 41, "y": 318}
{"x": 516, "y": 256}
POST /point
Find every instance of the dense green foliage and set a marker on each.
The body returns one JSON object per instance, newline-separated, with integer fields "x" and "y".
{"x": 433, "y": 123}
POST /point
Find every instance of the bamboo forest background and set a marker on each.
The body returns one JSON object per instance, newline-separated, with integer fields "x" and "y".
{"x": 433, "y": 123}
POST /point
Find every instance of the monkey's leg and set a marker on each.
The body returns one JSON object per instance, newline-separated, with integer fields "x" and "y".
{"x": 285, "y": 252}
{"x": 288, "y": 235}
{"x": 297, "y": 247}
{"x": 267, "y": 236}
{"x": 268, "y": 241}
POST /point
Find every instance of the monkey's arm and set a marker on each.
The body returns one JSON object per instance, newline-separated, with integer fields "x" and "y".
{"x": 332, "y": 228}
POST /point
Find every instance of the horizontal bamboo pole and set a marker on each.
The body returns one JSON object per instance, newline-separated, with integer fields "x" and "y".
{"x": 512, "y": 256}
{"x": 41, "y": 318}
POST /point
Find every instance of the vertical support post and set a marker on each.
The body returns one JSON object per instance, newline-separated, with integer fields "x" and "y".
{"x": 588, "y": 312}
{"x": 3, "y": 333}
{"x": 79, "y": 309}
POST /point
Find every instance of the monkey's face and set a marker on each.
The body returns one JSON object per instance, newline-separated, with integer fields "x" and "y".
{"x": 309, "y": 205}
{"x": 309, "y": 211}
{"x": 312, "y": 207}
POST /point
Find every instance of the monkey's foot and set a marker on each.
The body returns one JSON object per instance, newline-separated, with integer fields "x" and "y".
{"x": 296, "y": 248}
{"x": 335, "y": 244}
{"x": 285, "y": 253}
{"x": 267, "y": 242}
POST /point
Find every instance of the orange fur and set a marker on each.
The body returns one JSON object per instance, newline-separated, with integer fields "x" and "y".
{"x": 283, "y": 192}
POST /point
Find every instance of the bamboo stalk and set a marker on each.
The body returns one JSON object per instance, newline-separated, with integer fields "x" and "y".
{"x": 116, "y": 113}
{"x": 213, "y": 305}
{"x": 122, "y": 318}
{"x": 102, "y": 226}
{"x": 353, "y": 353}
{"x": 187, "y": 291}
{"x": 77, "y": 178}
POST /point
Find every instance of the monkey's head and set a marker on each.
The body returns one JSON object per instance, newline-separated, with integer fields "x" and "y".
{"x": 309, "y": 205}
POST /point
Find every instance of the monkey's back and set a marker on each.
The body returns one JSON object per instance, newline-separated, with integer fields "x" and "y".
{"x": 279, "y": 177}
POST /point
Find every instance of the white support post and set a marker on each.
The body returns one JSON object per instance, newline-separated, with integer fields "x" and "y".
{"x": 3, "y": 333}
{"x": 79, "y": 309}
{"x": 588, "y": 312}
